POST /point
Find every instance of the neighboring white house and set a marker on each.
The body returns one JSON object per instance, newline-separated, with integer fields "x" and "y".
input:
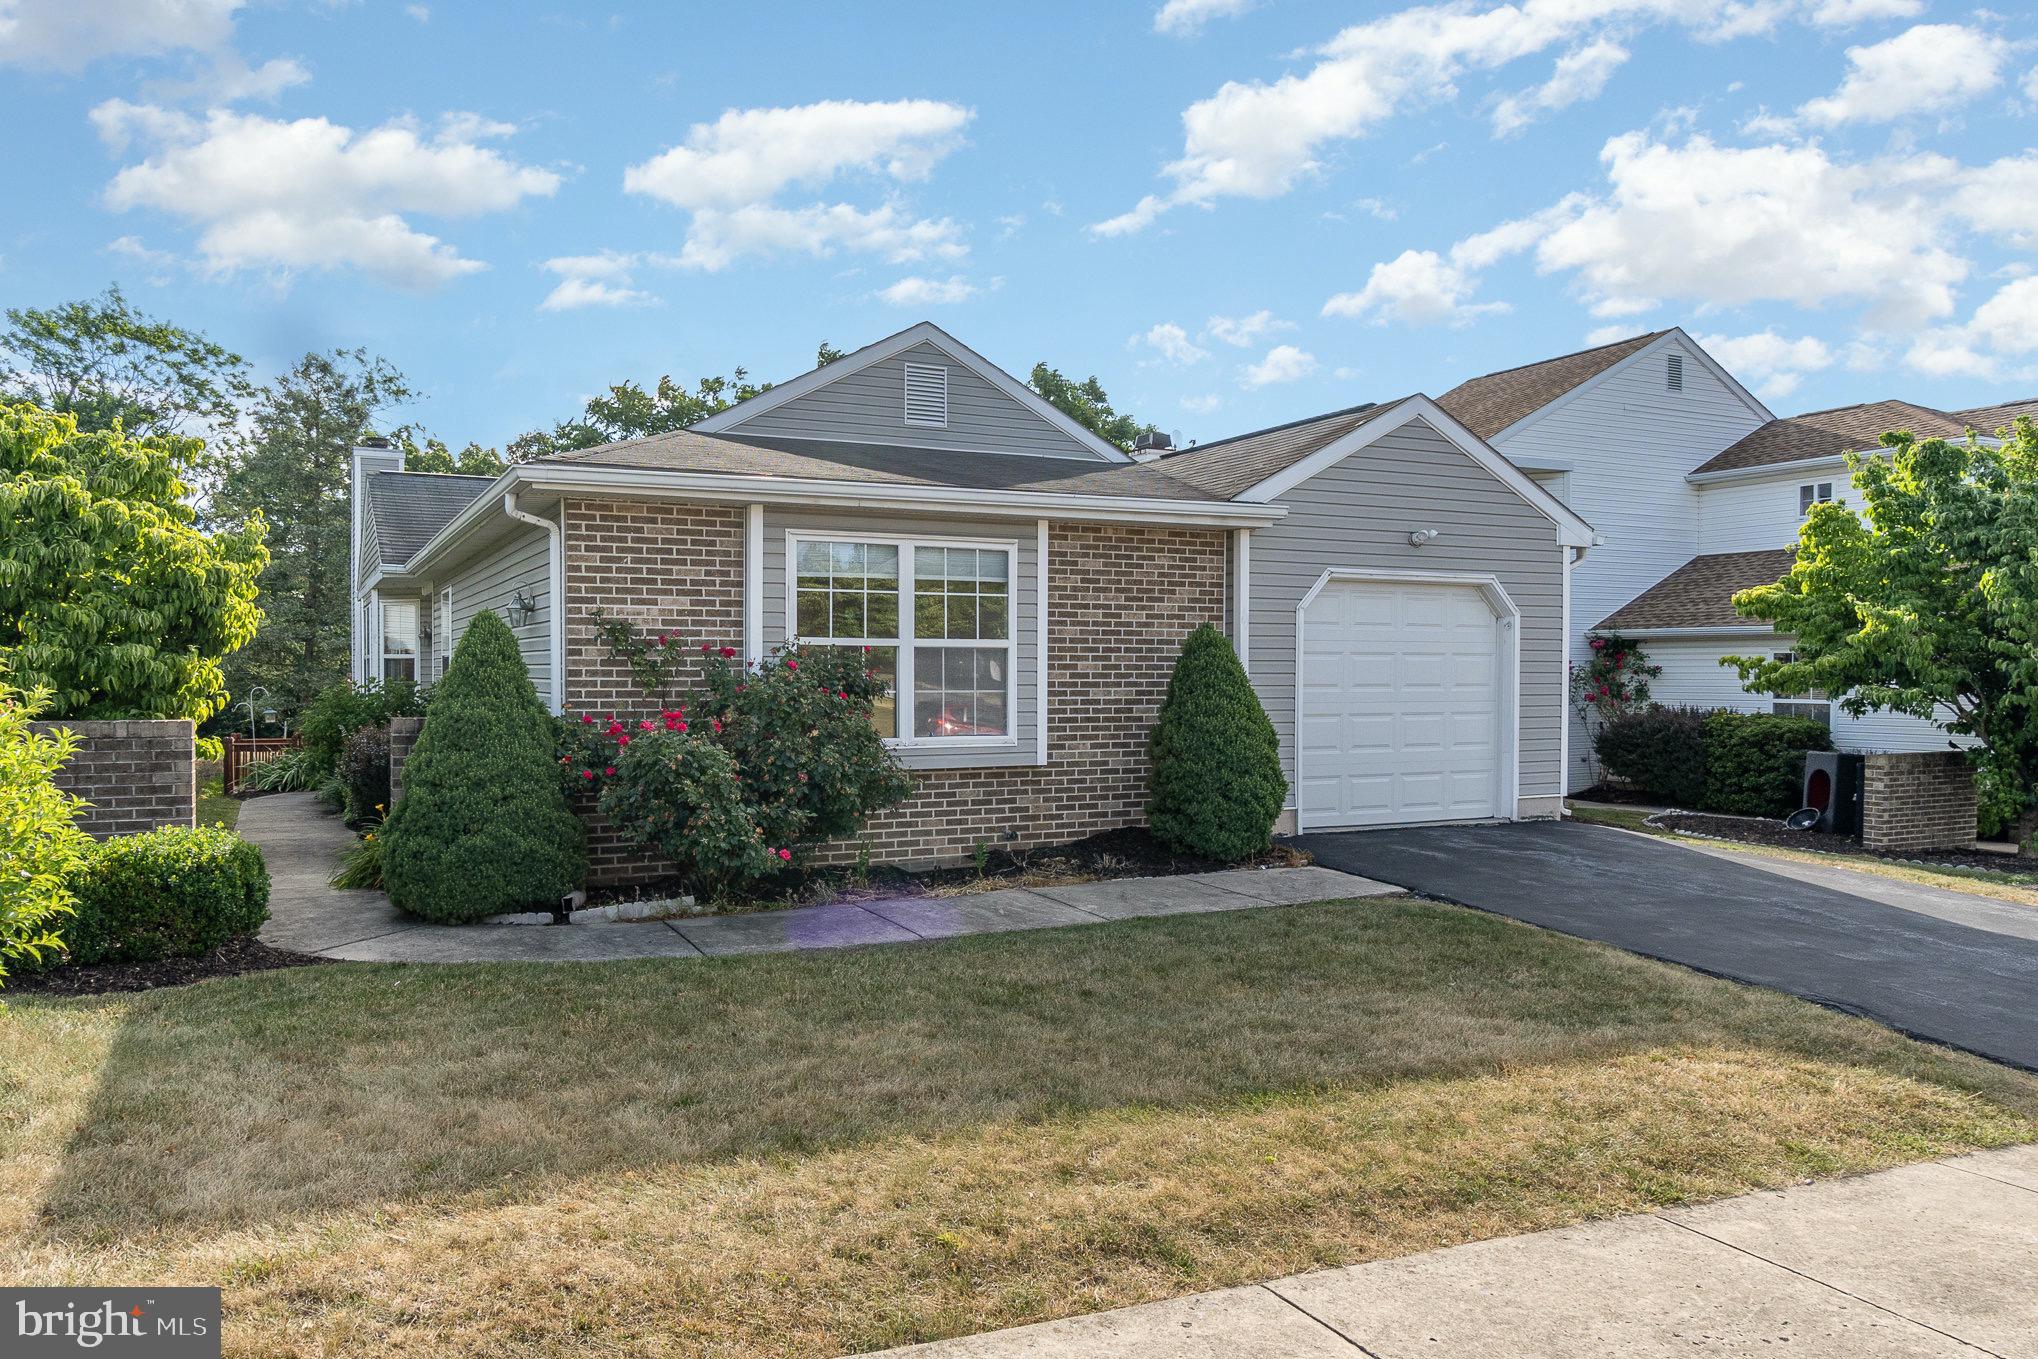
{"x": 1697, "y": 491}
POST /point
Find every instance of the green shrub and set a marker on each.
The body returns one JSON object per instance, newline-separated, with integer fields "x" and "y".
{"x": 1660, "y": 751}
{"x": 2000, "y": 801}
{"x": 345, "y": 708}
{"x": 332, "y": 793}
{"x": 1214, "y": 783}
{"x": 484, "y": 826}
{"x": 39, "y": 844}
{"x": 169, "y": 893}
{"x": 364, "y": 773}
{"x": 755, "y": 763}
{"x": 287, "y": 771}
{"x": 361, "y": 866}
{"x": 1754, "y": 762}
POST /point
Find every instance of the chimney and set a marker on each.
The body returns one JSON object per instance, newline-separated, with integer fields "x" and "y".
{"x": 1151, "y": 444}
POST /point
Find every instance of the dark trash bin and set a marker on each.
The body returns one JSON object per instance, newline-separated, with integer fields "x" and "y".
{"x": 1833, "y": 784}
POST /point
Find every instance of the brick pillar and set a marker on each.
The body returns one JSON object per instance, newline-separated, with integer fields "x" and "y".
{"x": 403, "y": 734}
{"x": 134, "y": 774}
{"x": 1918, "y": 801}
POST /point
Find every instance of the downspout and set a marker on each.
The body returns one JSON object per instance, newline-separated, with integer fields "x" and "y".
{"x": 1572, "y": 556}
{"x": 555, "y": 569}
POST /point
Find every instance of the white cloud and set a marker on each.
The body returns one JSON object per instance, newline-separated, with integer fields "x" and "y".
{"x": 602, "y": 279}
{"x": 2001, "y": 199}
{"x": 929, "y": 292}
{"x": 727, "y": 174}
{"x": 1243, "y": 331}
{"x": 1172, "y": 343}
{"x": 1418, "y": 288}
{"x": 1999, "y": 332}
{"x": 1184, "y": 18}
{"x": 421, "y": 13}
{"x": 1927, "y": 69}
{"x": 1775, "y": 364}
{"x": 1580, "y": 75}
{"x": 1202, "y": 405}
{"x": 1283, "y": 363}
{"x": 1842, "y": 13}
{"x": 69, "y": 35}
{"x": 311, "y": 194}
{"x": 572, "y": 294}
{"x": 1258, "y": 139}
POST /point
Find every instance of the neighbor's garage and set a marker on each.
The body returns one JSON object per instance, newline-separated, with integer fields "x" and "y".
{"x": 1403, "y": 705}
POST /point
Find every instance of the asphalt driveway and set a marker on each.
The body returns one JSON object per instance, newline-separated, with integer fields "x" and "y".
{"x": 1966, "y": 976}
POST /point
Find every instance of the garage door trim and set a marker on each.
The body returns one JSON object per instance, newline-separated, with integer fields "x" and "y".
{"x": 1507, "y": 619}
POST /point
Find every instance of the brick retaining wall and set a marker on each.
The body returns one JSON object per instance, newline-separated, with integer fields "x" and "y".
{"x": 136, "y": 774}
{"x": 403, "y": 734}
{"x": 1922, "y": 800}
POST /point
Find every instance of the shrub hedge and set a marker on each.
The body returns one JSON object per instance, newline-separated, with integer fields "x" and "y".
{"x": 1740, "y": 764}
{"x": 170, "y": 893}
{"x": 364, "y": 773}
{"x": 1214, "y": 782}
{"x": 347, "y": 707}
{"x": 484, "y": 826}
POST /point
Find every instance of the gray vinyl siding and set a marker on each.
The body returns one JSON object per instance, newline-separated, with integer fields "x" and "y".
{"x": 489, "y": 580}
{"x": 1025, "y": 605}
{"x": 1358, "y": 514}
{"x": 869, "y": 406}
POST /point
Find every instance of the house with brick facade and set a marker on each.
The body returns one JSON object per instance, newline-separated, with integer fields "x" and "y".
{"x": 1397, "y": 590}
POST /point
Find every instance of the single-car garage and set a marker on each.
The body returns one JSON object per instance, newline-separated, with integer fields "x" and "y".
{"x": 1405, "y": 702}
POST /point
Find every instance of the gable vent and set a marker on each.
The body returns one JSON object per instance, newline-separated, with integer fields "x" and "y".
{"x": 1673, "y": 372}
{"x": 927, "y": 395}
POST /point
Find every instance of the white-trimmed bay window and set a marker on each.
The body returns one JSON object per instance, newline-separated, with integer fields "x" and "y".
{"x": 399, "y": 639}
{"x": 936, "y": 615}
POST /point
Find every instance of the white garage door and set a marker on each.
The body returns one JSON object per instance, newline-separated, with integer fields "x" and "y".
{"x": 1401, "y": 705}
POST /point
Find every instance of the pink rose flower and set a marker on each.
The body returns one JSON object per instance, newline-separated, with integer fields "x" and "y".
{"x": 587, "y": 773}
{"x": 586, "y": 718}
{"x": 645, "y": 725}
{"x": 785, "y": 856}
{"x": 610, "y": 771}
{"x": 792, "y": 665}
{"x": 624, "y": 739}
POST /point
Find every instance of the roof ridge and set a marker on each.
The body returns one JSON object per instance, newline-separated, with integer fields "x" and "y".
{"x": 1275, "y": 429}
{"x": 1863, "y": 405}
{"x": 1574, "y": 354}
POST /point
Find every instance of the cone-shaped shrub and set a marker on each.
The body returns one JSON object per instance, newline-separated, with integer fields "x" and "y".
{"x": 483, "y": 826}
{"x": 1215, "y": 785}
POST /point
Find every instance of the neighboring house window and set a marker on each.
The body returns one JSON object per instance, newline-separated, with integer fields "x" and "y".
{"x": 1673, "y": 372}
{"x": 442, "y": 635}
{"x": 927, "y": 395}
{"x": 400, "y": 639}
{"x": 1814, "y": 705}
{"x": 937, "y": 618}
{"x": 1812, "y": 493}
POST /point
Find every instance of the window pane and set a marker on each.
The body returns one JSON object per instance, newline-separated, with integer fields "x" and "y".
{"x": 883, "y": 613}
{"x": 991, "y": 566}
{"x": 929, "y": 615}
{"x": 884, "y": 714}
{"x": 399, "y": 668}
{"x": 813, "y": 564}
{"x": 991, "y": 618}
{"x": 959, "y": 691}
{"x": 991, "y": 711}
{"x": 848, "y": 615}
{"x": 813, "y": 620}
{"x": 881, "y": 562}
{"x": 928, "y": 565}
{"x": 846, "y": 559}
{"x": 958, "y": 668}
{"x": 962, "y": 563}
{"x": 962, "y": 616}
{"x": 399, "y": 628}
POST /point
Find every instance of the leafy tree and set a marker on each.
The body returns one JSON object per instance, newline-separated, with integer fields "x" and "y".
{"x": 106, "y": 363}
{"x": 1215, "y": 783}
{"x": 292, "y": 470}
{"x": 1085, "y": 403}
{"x": 827, "y": 353}
{"x": 111, "y": 596}
{"x": 483, "y": 826}
{"x": 39, "y": 842}
{"x": 434, "y": 456}
{"x": 1926, "y": 601}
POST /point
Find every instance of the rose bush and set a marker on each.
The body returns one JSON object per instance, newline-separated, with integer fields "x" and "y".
{"x": 757, "y": 761}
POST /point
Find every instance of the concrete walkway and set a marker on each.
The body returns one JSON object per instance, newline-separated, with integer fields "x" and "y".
{"x": 303, "y": 843}
{"x": 1938, "y": 1259}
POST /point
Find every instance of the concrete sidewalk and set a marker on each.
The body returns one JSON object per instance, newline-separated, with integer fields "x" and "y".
{"x": 1929, "y": 1260}
{"x": 302, "y": 843}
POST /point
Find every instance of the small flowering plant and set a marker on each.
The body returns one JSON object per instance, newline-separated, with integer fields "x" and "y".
{"x": 755, "y": 762}
{"x": 1614, "y": 680}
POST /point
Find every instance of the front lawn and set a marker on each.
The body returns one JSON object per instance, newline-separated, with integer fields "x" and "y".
{"x": 819, "y": 1153}
{"x": 214, "y": 806}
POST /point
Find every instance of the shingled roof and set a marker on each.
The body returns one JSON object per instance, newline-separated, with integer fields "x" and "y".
{"x": 1700, "y": 593}
{"x": 1487, "y": 405}
{"x": 1225, "y": 468}
{"x": 406, "y": 508}
{"x": 1989, "y": 419}
{"x": 1825, "y": 434}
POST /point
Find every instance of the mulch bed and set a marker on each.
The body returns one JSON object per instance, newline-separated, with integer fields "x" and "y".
{"x": 1751, "y": 831}
{"x": 1607, "y": 792}
{"x": 231, "y": 959}
{"x": 1128, "y": 853}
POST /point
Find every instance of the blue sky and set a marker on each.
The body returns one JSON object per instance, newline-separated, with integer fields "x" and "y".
{"x": 1234, "y": 213}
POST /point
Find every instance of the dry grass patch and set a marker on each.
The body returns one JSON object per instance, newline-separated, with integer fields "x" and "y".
{"x": 813, "y": 1154}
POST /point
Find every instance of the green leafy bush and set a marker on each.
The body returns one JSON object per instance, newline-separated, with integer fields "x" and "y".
{"x": 1661, "y": 751}
{"x": 1214, "y": 783}
{"x": 756, "y": 763}
{"x": 39, "y": 844}
{"x": 484, "y": 826}
{"x": 364, "y": 773}
{"x": 345, "y": 708}
{"x": 287, "y": 771}
{"x": 170, "y": 893}
{"x": 2000, "y": 802}
{"x": 1754, "y": 762}
{"x": 361, "y": 865}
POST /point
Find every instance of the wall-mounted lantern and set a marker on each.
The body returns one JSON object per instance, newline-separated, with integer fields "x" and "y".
{"x": 522, "y": 608}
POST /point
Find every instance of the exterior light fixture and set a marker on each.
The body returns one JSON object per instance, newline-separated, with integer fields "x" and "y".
{"x": 1417, "y": 537}
{"x": 522, "y": 608}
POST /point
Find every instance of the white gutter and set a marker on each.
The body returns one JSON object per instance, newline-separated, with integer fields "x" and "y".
{"x": 555, "y": 605}
{"x": 1242, "y": 595}
{"x": 1570, "y": 558}
{"x": 1743, "y": 630}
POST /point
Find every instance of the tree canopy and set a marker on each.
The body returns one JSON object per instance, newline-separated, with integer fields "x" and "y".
{"x": 112, "y": 597}
{"x": 1926, "y": 601}
{"x": 1086, "y": 404}
{"x": 104, "y": 363}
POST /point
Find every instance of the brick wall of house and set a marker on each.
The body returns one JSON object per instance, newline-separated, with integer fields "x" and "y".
{"x": 403, "y": 734}
{"x": 136, "y": 774}
{"x": 1121, "y": 599}
{"x": 1922, "y": 800}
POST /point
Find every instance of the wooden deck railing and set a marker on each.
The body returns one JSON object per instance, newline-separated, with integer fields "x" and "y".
{"x": 244, "y": 751}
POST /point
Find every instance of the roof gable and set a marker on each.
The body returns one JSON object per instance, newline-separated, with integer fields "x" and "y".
{"x": 404, "y": 509}
{"x": 861, "y": 398}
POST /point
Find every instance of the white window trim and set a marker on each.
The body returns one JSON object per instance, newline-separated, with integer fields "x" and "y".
{"x": 905, "y": 642}
{"x": 1805, "y": 504}
{"x": 383, "y": 655}
{"x": 442, "y": 636}
{"x": 1777, "y": 701}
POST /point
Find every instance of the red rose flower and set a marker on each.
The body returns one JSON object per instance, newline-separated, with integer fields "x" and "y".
{"x": 785, "y": 855}
{"x": 792, "y": 665}
{"x": 587, "y": 773}
{"x": 610, "y": 771}
{"x": 663, "y": 640}
{"x": 624, "y": 739}
{"x": 586, "y": 718}
{"x": 728, "y": 653}
{"x": 645, "y": 725}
